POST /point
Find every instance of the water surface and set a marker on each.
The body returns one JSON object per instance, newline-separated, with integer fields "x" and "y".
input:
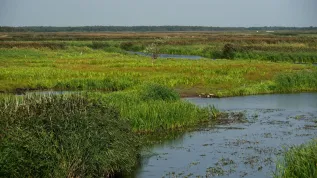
{"x": 242, "y": 149}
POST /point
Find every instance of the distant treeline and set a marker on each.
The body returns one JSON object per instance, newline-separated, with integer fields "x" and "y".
{"x": 143, "y": 28}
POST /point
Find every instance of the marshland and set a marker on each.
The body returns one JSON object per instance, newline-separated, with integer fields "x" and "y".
{"x": 82, "y": 104}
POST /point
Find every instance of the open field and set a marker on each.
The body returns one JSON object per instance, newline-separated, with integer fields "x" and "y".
{"x": 82, "y": 68}
{"x": 298, "y": 46}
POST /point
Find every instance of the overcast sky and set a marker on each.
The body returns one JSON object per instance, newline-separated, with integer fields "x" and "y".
{"x": 244, "y": 13}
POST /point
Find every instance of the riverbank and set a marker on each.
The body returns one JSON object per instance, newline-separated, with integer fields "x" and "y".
{"x": 101, "y": 133}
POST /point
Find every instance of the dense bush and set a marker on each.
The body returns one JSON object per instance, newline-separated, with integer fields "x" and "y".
{"x": 126, "y": 45}
{"x": 160, "y": 111}
{"x": 58, "y": 136}
{"x": 158, "y": 92}
{"x": 99, "y": 45}
{"x": 299, "y": 81}
{"x": 299, "y": 161}
{"x": 130, "y": 46}
{"x": 228, "y": 51}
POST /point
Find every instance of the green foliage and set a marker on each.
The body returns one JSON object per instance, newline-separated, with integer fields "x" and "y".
{"x": 299, "y": 81}
{"x": 81, "y": 68}
{"x": 100, "y": 45}
{"x": 106, "y": 84}
{"x": 299, "y": 161}
{"x": 228, "y": 51}
{"x": 126, "y": 45}
{"x": 154, "y": 91}
{"x": 63, "y": 136}
{"x": 161, "y": 111}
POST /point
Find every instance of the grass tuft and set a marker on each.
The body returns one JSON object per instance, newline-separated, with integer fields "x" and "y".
{"x": 63, "y": 136}
{"x": 299, "y": 161}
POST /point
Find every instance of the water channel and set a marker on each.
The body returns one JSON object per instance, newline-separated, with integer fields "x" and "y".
{"x": 249, "y": 149}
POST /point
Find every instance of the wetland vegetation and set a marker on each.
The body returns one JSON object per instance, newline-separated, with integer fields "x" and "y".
{"x": 126, "y": 97}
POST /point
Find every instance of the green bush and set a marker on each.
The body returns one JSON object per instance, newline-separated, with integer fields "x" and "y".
{"x": 59, "y": 136}
{"x": 299, "y": 161}
{"x": 157, "y": 92}
{"x": 126, "y": 45}
{"x": 299, "y": 81}
{"x": 149, "y": 114}
{"x": 130, "y": 46}
{"x": 99, "y": 45}
{"x": 228, "y": 51}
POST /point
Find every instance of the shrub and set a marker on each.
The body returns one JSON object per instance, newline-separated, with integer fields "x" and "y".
{"x": 59, "y": 136}
{"x": 299, "y": 161}
{"x": 228, "y": 51}
{"x": 100, "y": 45}
{"x": 126, "y": 45}
{"x": 299, "y": 81}
{"x": 158, "y": 92}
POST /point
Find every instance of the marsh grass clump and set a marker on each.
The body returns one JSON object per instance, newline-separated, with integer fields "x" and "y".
{"x": 299, "y": 161}
{"x": 100, "y": 45}
{"x": 153, "y": 107}
{"x": 228, "y": 51}
{"x": 299, "y": 81}
{"x": 63, "y": 136}
{"x": 155, "y": 91}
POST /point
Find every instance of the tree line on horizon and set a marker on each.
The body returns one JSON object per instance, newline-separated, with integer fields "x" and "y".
{"x": 143, "y": 28}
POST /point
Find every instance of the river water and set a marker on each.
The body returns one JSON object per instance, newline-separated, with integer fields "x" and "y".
{"x": 247, "y": 149}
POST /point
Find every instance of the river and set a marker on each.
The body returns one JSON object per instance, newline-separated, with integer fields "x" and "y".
{"x": 247, "y": 149}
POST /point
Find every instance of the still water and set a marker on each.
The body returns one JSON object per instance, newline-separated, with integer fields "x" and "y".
{"x": 246, "y": 149}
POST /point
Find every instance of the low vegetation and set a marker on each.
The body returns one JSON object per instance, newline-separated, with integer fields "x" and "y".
{"x": 296, "y": 47}
{"x": 87, "y": 135}
{"x": 81, "y": 68}
{"x": 64, "y": 136}
{"x": 152, "y": 107}
{"x": 299, "y": 161}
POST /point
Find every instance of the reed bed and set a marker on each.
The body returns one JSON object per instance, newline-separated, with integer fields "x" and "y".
{"x": 64, "y": 136}
{"x": 299, "y": 161}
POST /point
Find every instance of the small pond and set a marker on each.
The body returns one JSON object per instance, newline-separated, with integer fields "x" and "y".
{"x": 241, "y": 149}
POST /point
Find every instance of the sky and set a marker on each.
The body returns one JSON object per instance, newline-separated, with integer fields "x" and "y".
{"x": 223, "y": 13}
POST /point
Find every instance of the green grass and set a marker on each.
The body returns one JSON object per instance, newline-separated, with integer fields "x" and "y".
{"x": 294, "y": 82}
{"x": 298, "y": 162}
{"x": 152, "y": 107}
{"x": 88, "y": 135}
{"x": 81, "y": 68}
{"x": 64, "y": 136}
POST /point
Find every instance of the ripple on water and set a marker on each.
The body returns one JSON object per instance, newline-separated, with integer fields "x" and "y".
{"x": 238, "y": 149}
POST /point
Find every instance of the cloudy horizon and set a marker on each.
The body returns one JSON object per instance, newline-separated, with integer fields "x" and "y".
{"x": 221, "y": 13}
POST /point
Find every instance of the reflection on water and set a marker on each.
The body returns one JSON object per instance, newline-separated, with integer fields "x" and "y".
{"x": 238, "y": 150}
